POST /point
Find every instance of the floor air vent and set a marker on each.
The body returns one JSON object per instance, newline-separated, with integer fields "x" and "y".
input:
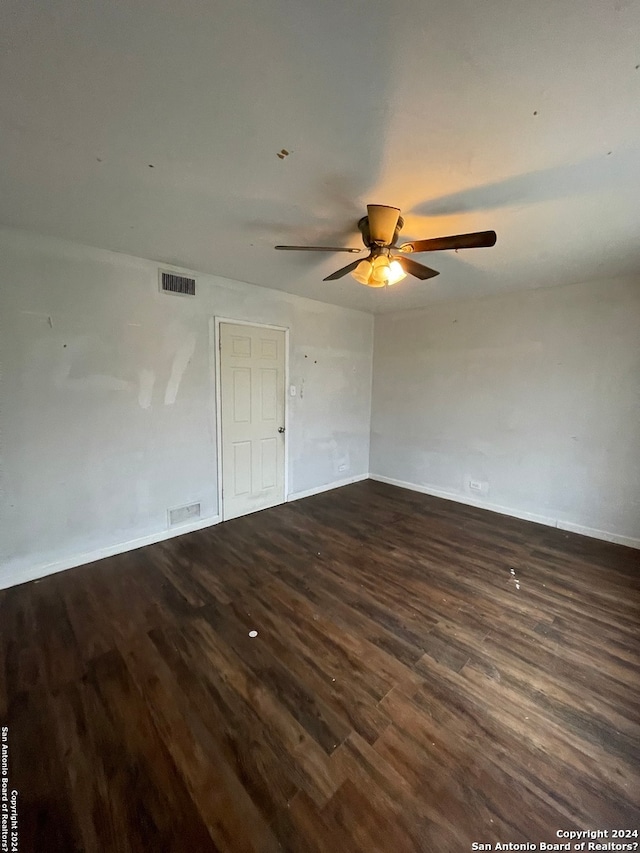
{"x": 180, "y": 284}
{"x": 182, "y": 514}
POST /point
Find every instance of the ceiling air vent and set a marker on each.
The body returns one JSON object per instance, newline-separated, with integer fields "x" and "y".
{"x": 180, "y": 284}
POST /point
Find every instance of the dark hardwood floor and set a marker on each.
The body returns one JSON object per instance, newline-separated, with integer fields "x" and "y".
{"x": 406, "y": 691}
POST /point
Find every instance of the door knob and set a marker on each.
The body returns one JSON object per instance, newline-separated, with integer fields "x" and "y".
{"x": 280, "y": 429}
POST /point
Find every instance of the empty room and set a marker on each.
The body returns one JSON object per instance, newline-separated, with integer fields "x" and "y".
{"x": 319, "y": 426}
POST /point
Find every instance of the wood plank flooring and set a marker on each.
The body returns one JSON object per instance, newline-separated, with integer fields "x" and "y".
{"x": 407, "y": 690}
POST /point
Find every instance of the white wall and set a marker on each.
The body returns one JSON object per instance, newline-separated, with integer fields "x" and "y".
{"x": 535, "y": 395}
{"x": 107, "y": 398}
{"x": 107, "y": 404}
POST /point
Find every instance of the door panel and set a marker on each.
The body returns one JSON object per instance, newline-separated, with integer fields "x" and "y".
{"x": 253, "y": 402}
{"x": 268, "y": 463}
{"x": 241, "y": 395}
{"x": 269, "y": 393}
{"x": 241, "y": 481}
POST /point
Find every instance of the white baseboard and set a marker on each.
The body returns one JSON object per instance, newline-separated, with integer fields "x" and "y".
{"x": 31, "y": 573}
{"x": 295, "y": 496}
{"x": 465, "y": 499}
{"x": 605, "y": 535}
{"x": 44, "y": 569}
{"x": 35, "y": 572}
{"x": 594, "y": 533}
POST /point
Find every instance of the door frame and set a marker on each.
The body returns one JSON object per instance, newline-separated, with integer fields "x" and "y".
{"x": 214, "y": 338}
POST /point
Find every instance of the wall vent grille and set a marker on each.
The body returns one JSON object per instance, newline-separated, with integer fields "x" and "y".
{"x": 182, "y": 514}
{"x": 181, "y": 285}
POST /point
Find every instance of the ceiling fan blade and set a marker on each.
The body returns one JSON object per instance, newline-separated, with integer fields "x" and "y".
{"x": 339, "y": 273}
{"x": 316, "y": 249}
{"x": 476, "y": 240}
{"x": 382, "y": 222}
{"x": 414, "y": 268}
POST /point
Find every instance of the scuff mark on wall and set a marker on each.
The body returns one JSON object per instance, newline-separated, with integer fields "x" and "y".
{"x": 180, "y": 362}
{"x": 39, "y": 314}
{"x": 147, "y": 380}
{"x": 98, "y": 381}
{"x": 72, "y": 368}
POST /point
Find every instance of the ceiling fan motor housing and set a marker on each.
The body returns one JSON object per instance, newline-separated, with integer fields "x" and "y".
{"x": 363, "y": 226}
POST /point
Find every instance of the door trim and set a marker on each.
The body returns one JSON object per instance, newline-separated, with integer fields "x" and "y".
{"x": 214, "y": 350}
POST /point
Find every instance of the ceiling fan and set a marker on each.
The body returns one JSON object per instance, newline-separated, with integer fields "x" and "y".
{"x": 380, "y": 231}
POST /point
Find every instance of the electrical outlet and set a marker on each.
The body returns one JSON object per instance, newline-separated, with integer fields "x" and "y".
{"x": 342, "y": 467}
{"x": 475, "y": 485}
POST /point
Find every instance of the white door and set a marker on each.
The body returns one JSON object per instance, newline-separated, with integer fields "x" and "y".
{"x": 252, "y": 417}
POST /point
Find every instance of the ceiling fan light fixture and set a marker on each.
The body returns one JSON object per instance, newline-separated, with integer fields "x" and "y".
{"x": 362, "y": 272}
{"x": 376, "y": 282}
{"x": 396, "y": 272}
{"x": 379, "y": 272}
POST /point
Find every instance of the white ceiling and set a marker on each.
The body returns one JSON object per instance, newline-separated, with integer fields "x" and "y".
{"x": 514, "y": 115}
